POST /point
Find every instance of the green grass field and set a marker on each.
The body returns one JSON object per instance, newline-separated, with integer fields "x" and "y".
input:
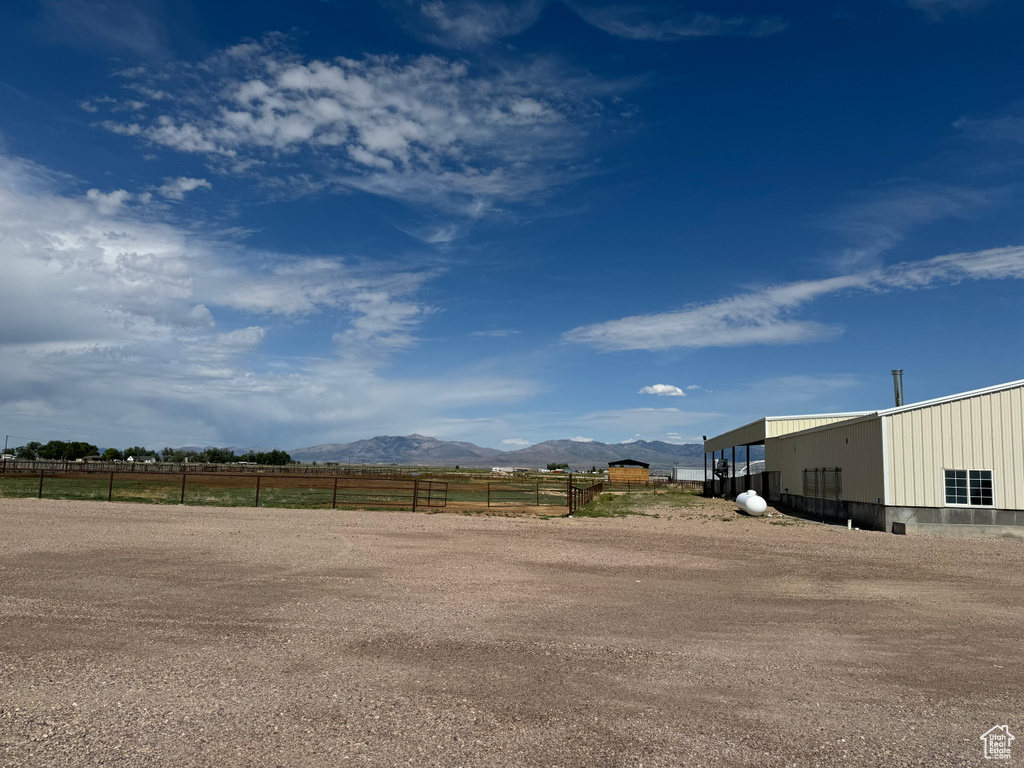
{"x": 636, "y": 503}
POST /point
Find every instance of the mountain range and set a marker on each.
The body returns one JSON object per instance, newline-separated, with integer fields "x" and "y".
{"x": 578, "y": 454}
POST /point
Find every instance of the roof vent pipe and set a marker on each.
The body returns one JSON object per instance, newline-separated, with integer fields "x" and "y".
{"x": 897, "y": 385}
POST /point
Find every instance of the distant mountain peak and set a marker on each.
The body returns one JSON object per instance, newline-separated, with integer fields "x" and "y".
{"x": 423, "y": 450}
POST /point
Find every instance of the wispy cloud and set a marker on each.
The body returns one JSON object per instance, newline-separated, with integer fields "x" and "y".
{"x": 427, "y": 130}
{"x": 474, "y": 23}
{"x": 1006, "y": 128}
{"x": 936, "y": 10}
{"x": 467, "y": 23}
{"x": 138, "y": 26}
{"x": 495, "y": 334}
{"x": 879, "y": 220}
{"x": 124, "y": 319}
{"x": 768, "y": 316}
{"x": 664, "y": 390}
{"x": 654, "y": 22}
{"x": 176, "y": 189}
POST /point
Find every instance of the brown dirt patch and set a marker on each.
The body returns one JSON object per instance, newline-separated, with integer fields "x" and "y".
{"x": 197, "y": 636}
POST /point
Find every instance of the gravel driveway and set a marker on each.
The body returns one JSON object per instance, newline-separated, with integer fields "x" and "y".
{"x": 135, "y": 635}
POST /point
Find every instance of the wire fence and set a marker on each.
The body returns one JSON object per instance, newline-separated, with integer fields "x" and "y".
{"x": 74, "y": 480}
{"x": 223, "y": 489}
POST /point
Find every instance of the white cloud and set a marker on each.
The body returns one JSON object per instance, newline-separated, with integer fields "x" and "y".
{"x": 133, "y": 25}
{"x": 114, "y": 324}
{"x": 662, "y": 390}
{"x": 766, "y": 316}
{"x": 495, "y": 334}
{"x": 652, "y": 22}
{"x": 880, "y": 220}
{"x": 428, "y": 129}
{"x": 936, "y": 10}
{"x": 473, "y": 23}
{"x": 465, "y": 23}
{"x": 108, "y": 203}
{"x": 176, "y": 189}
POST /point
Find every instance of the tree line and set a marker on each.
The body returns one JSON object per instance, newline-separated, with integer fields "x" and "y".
{"x": 61, "y": 450}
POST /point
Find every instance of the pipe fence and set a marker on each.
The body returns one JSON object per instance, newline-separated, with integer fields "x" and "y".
{"x": 90, "y": 481}
{"x": 223, "y": 489}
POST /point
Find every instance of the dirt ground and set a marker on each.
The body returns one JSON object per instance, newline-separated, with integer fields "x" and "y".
{"x": 135, "y": 635}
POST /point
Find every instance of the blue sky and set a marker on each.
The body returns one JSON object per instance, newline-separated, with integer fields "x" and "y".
{"x": 283, "y": 224}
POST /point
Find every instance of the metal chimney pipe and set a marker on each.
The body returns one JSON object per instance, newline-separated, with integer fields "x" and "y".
{"x": 897, "y": 384}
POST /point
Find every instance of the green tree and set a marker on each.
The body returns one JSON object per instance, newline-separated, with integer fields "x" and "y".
{"x": 272, "y": 458}
{"x": 138, "y": 452}
{"x": 111, "y": 454}
{"x": 217, "y": 456}
{"x": 178, "y": 455}
{"x": 59, "y": 450}
{"x": 558, "y": 466}
{"x": 28, "y": 451}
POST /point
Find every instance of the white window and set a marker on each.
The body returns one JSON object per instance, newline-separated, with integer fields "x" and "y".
{"x": 969, "y": 487}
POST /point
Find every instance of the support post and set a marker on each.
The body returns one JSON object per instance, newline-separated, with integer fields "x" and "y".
{"x": 41, "y": 471}
{"x": 334, "y": 498}
{"x": 416, "y": 492}
{"x": 732, "y": 474}
{"x": 257, "y": 490}
{"x": 110, "y": 490}
{"x": 183, "y": 476}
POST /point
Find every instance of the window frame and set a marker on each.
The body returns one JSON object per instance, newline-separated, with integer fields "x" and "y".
{"x": 967, "y": 477}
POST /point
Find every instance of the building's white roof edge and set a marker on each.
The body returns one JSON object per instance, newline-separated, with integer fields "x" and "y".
{"x": 856, "y": 419}
{"x": 850, "y": 415}
{"x": 951, "y": 398}
{"x": 766, "y": 419}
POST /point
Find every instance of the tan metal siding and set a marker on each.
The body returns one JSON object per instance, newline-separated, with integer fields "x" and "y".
{"x": 779, "y": 427}
{"x": 981, "y": 432}
{"x": 855, "y": 447}
{"x": 760, "y": 430}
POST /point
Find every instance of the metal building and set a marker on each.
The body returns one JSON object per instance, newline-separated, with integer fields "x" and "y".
{"x": 953, "y": 465}
{"x": 723, "y": 448}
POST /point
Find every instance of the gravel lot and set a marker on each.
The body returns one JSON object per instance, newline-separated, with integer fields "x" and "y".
{"x": 135, "y": 635}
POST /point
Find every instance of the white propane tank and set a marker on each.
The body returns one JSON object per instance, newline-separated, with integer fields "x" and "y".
{"x": 755, "y": 505}
{"x": 741, "y": 500}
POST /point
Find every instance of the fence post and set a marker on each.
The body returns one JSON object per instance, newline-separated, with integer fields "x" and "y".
{"x": 488, "y": 495}
{"x": 110, "y": 490}
{"x": 183, "y": 476}
{"x": 334, "y": 498}
{"x": 415, "y": 492}
{"x": 568, "y": 493}
{"x": 41, "y": 471}
{"x": 257, "y": 490}
{"x": 538, "y": 494}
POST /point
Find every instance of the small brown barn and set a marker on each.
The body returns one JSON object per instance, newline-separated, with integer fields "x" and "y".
{"x": 628, "y": 471}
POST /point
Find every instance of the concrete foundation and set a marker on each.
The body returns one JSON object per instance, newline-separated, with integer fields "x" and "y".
{"x": 964, "y": 531}
{"x": 939, "y": 521}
